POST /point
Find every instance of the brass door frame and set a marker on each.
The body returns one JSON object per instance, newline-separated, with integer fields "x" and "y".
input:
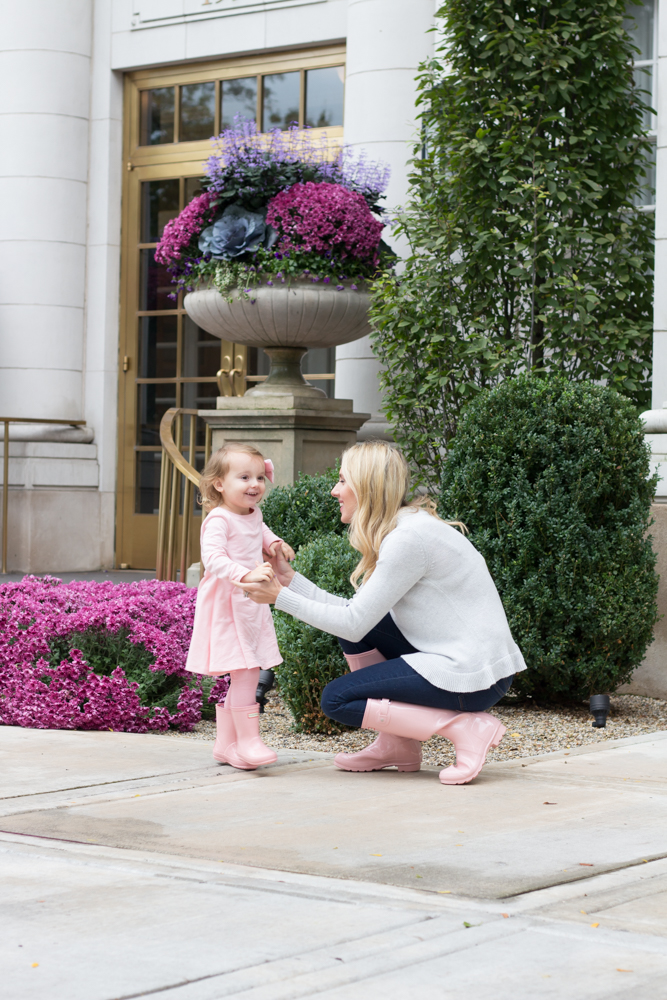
{"x": 136, "y": 534}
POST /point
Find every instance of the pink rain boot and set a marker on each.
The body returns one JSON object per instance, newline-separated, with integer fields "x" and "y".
{"x": 357, "y": 661}
{"x": 249, "y": 747}
{"x": 472, "y": 733}
{"x": 224, "y": 748}
{"x": 386, "y": 750}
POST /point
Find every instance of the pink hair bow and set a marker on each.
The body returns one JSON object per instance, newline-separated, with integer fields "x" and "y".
{"x": 268, "y": 469}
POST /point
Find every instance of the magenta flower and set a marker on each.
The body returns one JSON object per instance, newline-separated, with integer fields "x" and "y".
{"x": 36, "y": 612}
{"x": 325, "y": 218}
{"x": 180, "y": 231}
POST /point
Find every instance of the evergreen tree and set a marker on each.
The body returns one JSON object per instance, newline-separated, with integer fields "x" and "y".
{"x": 527, "y": 250}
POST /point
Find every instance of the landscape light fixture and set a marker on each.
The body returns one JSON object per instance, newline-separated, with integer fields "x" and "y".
{"x": 599, "y": 707}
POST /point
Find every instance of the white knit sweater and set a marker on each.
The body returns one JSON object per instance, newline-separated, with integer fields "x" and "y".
{"x": 439, "y": 592}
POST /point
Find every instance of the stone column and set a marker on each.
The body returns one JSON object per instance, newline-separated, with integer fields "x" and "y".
{"x": 45, "y": 83}
{"x": 386, "y": 42}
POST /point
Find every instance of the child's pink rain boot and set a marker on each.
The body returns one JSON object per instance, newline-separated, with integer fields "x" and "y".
{"x": 386, "y": 750}
{"x": 472, "y": 733}
{"x": 249, "y": 746}
{"x": 224, "y": 748}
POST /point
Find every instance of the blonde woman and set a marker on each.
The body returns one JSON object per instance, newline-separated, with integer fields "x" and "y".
{"x": 425, "y": 636}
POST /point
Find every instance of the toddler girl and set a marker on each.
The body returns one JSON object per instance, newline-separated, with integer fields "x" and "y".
{"x": 232, "y": 634}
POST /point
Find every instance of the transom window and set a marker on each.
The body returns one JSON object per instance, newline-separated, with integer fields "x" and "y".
{"x": 195, "y": 111}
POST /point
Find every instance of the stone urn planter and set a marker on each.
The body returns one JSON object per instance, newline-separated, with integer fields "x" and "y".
{"x": 284, "y": 320}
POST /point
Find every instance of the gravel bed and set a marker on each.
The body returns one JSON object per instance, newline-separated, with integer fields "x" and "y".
{"x": 531, "y": 730}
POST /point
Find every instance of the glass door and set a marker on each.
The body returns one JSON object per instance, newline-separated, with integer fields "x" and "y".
{"x": 165, "y": 359}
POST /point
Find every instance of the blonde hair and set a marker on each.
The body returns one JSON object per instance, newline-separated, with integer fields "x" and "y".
{"x": 217, "y": 467}
{"x": 379, "y": 476}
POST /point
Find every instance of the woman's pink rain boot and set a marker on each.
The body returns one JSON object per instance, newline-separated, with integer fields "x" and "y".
{"x": 224, "y": 748}
{"x": 386, "y": 750}
{"x": 249, "y": 747}
{"x": 357, "y": 661}
{"x": 472, "y": 733}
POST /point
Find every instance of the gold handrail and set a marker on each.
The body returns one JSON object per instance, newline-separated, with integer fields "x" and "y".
{"x": 5, "y": 466}
{"x": 175, "y": 467}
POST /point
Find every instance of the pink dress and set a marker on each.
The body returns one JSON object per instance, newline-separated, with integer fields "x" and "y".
{"x": 230, "y": 631}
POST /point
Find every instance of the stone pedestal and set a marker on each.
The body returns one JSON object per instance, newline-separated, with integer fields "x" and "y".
{"x": 298, "y": 434}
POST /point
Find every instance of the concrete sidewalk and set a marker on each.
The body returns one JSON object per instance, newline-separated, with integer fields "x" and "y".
{"x": 135, "y": 865}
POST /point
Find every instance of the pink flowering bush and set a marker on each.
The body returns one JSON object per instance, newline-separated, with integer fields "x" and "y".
{"x": 89, "y": 655}
{"x": 325, "y": 219}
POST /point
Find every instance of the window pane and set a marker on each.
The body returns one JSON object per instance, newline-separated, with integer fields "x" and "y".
{"x": 156, "y": 286}
{"x": 639, "y": 23}
{"x": 147, "y": 496}
{"x": 281, "y": 100}
{"x": 647, "y": 195}
{"x": 201, "y": 351}
{"x": 157, "y": 346}
{"x": 320, "y": 361}
{"x": 159, "y": 204}
{"x": 239, "y": 97}
{"x": 157, "y": 116}
{"x": 152, "y": 404}
{"x": 197, "y": 111}
{"x": 192, "y": 188}
{"x": 324, "y": 96}
{"x": 644, "y": 82}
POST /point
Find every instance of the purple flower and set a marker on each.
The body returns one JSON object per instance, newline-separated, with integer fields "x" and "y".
{"x": 353, "y": 288}
{"x": 70, "y": 695}
{"x": 340, "y": 288}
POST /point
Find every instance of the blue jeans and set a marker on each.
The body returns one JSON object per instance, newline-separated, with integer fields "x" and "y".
{"x": 344, "y": 699}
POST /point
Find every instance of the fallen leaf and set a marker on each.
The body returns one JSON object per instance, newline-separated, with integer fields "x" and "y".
{"x": 584, "y": 912}
{"x": 458, "y": 845}
{"x": 504, "y": 915}
{"x": 595, "y": 925}
{"x": 515, "y": 734}
{"x": 444, "y": 892}
{"x": 549, "y": 803}
{"x": 624, "y": 970}
{"x": 375, "y": 855}
{"x": 419, "y": 876}
{"x": 466, "y": 924}
{"x": 35, "y": 964}
{"x": 586, "y": 864}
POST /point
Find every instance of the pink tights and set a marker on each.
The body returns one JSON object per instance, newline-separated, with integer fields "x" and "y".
{"x": 242, "y": 688}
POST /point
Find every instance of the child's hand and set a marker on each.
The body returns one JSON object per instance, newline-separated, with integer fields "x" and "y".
{"x": 285, "y": 550}
{"x": 262, "y": 574}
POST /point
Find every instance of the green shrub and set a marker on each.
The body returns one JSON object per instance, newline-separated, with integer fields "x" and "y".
{"x": 313, "y": 658}
{"x": 304, "y": 510}
{"x": 552, "y": 479}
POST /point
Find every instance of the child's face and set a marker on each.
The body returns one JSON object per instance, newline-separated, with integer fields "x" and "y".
{"x": 244, "y": 485}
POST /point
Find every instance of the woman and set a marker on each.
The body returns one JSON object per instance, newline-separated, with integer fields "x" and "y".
{"x": 425, "y": 636}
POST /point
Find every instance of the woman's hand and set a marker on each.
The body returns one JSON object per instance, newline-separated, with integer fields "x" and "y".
{"x": 261, "y": 593}
{"x": 262, "y": 574}
{"x": 281, "y": 556}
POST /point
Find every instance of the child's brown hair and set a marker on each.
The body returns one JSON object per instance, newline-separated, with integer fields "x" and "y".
{"x": 217, "y": 467}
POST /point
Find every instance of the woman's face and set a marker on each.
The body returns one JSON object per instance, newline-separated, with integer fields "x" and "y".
{"x": 344, "y": 494}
